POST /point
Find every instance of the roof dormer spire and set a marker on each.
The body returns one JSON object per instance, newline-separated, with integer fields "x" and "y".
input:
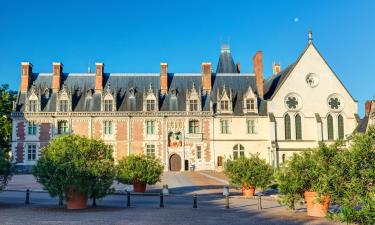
{"x": 310, "y": 37}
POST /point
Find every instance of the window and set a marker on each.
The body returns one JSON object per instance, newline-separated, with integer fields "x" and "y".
{"x": 62, "y": 127}
{"x": 150, "y": 150}
{"x": 64, "y": 105}
{"x": 224, "y": 124}
{"x": 108, "y": 105}
{"x": 193, "y": 126}
{"x": 250, "y": 126}
{"x": 107, "y": 127}
{"x": 199, "y": 152}
{"x": 250, "y": 104}
{"x": 150, "y": 127}
{"x": 298, "y": 122}
{"x": 330, "y": 127}
{"x": 238, "y": 151}
{"x": 220, "y": 161}
{"x": 287, "y": 127}
{"x": 32, "y": 128}
{"x": 224, "y": 105}
{"x": 341, "y": 126}
{"x": 33, "y": 105}
{"x": 150, "y": 105}
{"x": 193, "y": 105}
{"x": 31, "y": 152}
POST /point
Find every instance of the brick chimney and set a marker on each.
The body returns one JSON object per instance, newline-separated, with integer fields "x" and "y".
{"x": 56, "y": 76}
{"x": 238, "y": 67}
{"x": 26, "y": 71}
{"x": 99, "y": 68}
{"x": 276, "y": 68}
{"x": 163, "y": 78}
{"x": 258, "y": 70}
{"x": 368, "y": 107}
{"x": 206, "y": 76}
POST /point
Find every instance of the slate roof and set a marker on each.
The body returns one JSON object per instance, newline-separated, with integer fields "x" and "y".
{"x": 226, "y": 63}
{"x": 84, "y": 98}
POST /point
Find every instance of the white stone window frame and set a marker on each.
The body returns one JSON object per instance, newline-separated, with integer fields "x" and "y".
{"x": 150, "y": 97}
{"x": 156, "y": 127}
{"x": 146, "y": 148}
{"x": 33, "y": 97}
{"x": 199, "y": 125}
{"x": 37, "y": 127}
{"x": 292, "y": 115}
{"x": 341, "y": 100}
{"x": 107, "y": 126}
{"x": 64, "y": 96}
{"x": 199, "y": 160}
{"x": 108, "y": 97}
{"x": 26, "y": 161}
{"x": 57, "y": 126}
{"x": 255, "y": 126}
{"x": 299, "y": 102}
{"x": 229, "y": 121}
{"x": 225, "y": 97}
{"x": 193, "y": 95}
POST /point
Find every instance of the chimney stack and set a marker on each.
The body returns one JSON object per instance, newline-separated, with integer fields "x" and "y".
{"x": 276, "y": 68}
{"x": 258, "y": 70}
{"x": 99, "y": 68}
{"x": 206, "y": 76}
{"x": 238, "y": 67}
{"x": 56, "y": 76}
{"x": 26, "y": 71}
{"x": 163, "y": 78}
{"x": 368, "y": 107}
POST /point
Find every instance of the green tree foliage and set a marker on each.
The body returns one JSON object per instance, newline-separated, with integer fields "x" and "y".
{"x": 354, "y": 188}
{"x": 7, "y": 97}
{"x": 307, "y": 171}
{"x": 139, "y": 168}
{"x": 75, "y": 163}
{"x": 250, "y": 171}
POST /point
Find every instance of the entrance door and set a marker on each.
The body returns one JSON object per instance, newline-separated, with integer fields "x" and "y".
{"x": 175, "y": 163}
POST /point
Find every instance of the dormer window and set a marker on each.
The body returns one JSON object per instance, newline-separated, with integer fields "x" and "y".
{"x": 64, "y": 100}
{"x": 150, "y": 104}
{"x": 64, "y": 105}
{"x": 224, "y": 105}
{"x": 193, "y": 97}
{"x": 250, "y": 103}
{"x": 149, "y": 100}
{"x": 108, "y": 105}
{"x": 224, "y": 101}
{"x": 193, "y": 105}
{"x": 33, "y": 105}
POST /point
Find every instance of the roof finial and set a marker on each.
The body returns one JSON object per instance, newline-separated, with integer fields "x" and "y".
{"x": 310, "y": 37}
{"x": 88, "y": 68}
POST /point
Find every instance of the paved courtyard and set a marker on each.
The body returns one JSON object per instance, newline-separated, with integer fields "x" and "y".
{"x": 145, "y": 210}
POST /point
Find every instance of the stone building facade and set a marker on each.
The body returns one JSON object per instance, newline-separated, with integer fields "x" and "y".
{"x": 187, "y": 119}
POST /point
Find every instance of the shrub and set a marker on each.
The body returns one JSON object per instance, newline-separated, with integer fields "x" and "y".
{"x": 5, "y": 168}
{"x": 72, "y": 162}
{"x": 250, "y": 171}
{"x": 139, "y": 168}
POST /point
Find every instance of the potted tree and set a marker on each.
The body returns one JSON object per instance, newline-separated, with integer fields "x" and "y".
{"x": 139, "y": 170}
{"x": 249, "y": 173}
{"x": 308, "y": 176}
{"x": 74, "y": 167}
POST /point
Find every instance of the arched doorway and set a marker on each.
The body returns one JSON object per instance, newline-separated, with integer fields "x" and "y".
{"x": 174, "y": 162}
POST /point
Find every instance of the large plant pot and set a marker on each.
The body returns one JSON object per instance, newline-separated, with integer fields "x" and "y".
{"x": 314, "y": 207}
{"x": 248, "y": 191}
{"x": 76, "y": 200}
{"x": 139, "y": 187}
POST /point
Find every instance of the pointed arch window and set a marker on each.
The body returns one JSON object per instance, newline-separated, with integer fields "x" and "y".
{"x": 238, "y": 151}
{"x": 340, "y": 120}
{"x": 330, "y": 127}
{"x": 298, "y": 123}
{"x": 287, "y": 127}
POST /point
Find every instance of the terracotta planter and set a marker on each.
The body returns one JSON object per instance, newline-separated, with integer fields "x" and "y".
{"x": 76, "y": 200}
{"x": 314, "y": 207}
{"x": 139, "y": 187}
{"x": 248, "y": 191}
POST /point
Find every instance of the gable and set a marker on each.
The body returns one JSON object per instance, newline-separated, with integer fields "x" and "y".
{"x": 311, "y": 78}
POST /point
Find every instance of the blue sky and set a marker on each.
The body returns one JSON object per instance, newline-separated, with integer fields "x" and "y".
{"x": 135, "y": 36}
